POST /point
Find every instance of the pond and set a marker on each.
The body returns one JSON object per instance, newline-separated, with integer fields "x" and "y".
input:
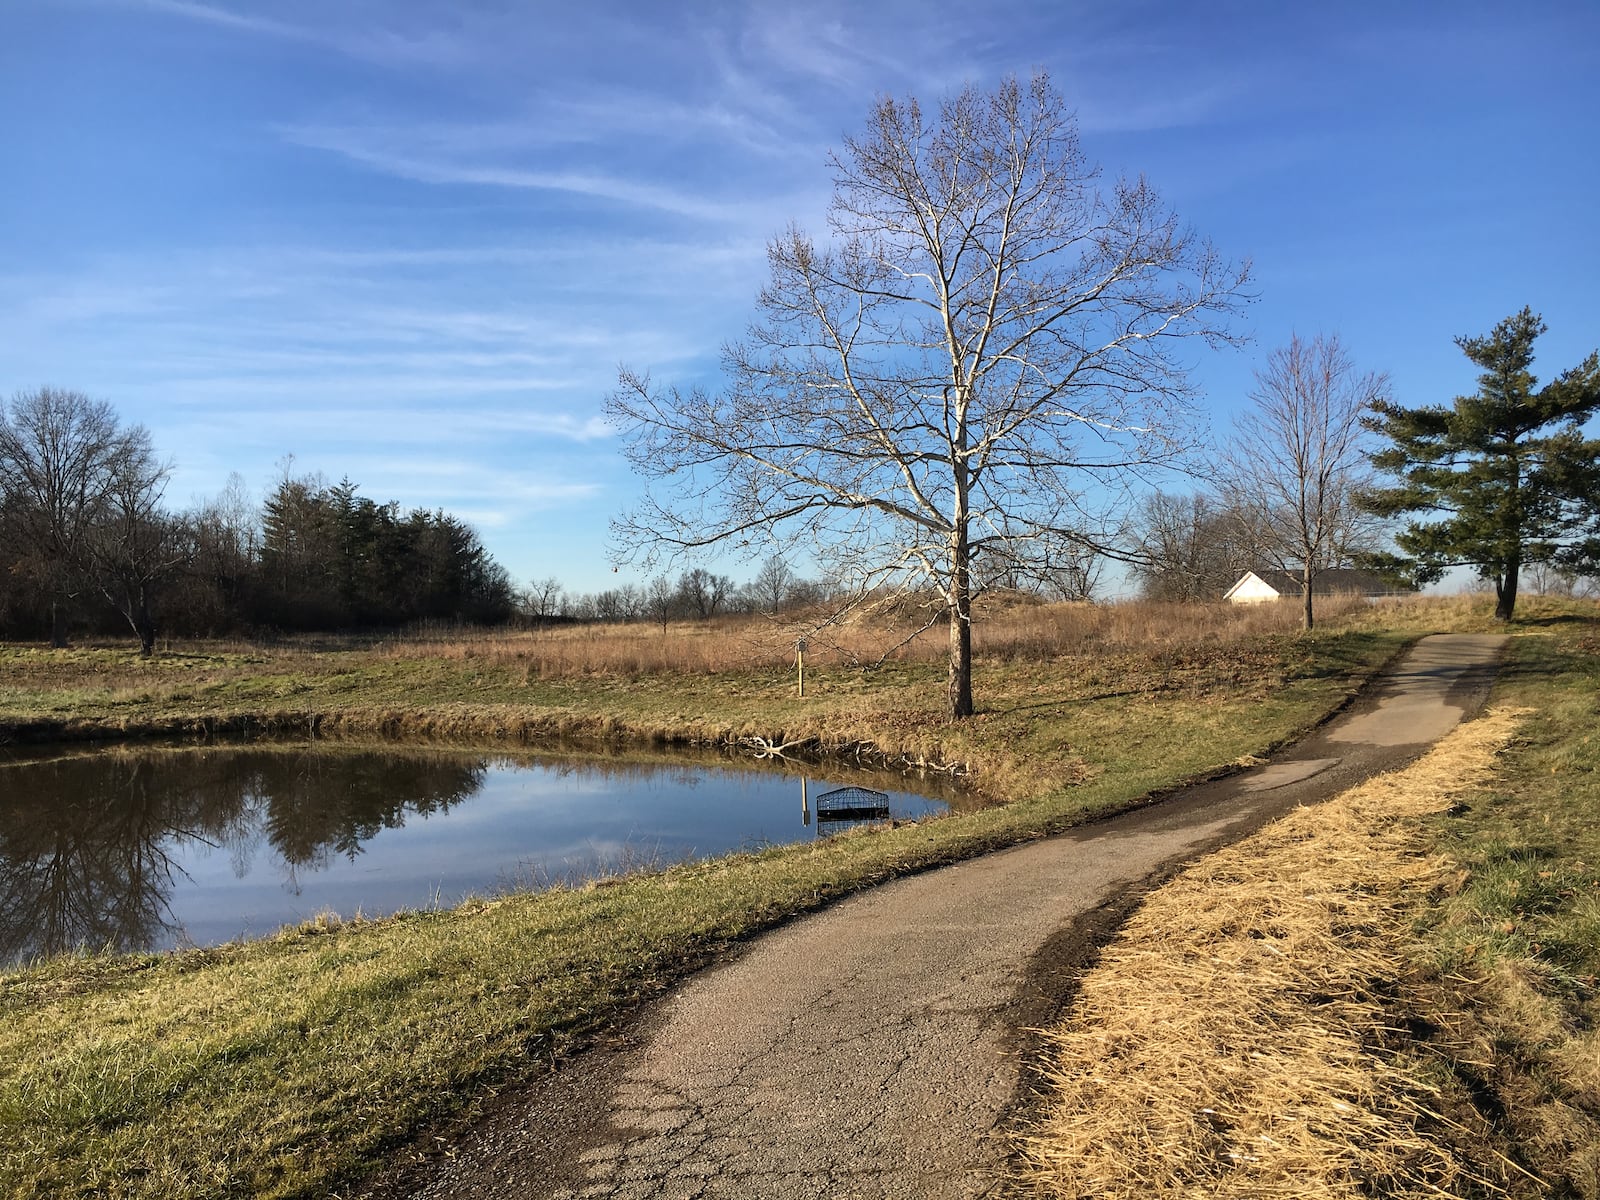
{"x": 155, "y": 848}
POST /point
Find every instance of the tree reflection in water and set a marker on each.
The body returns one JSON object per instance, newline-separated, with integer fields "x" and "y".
{"x": 123, "y": 850}
{"x": 88, "y": 844}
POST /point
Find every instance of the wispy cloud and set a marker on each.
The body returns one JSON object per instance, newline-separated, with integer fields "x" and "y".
{"x": 210, "y": 14}
{"x": 365, "y": 33}
{"x": 55, "y": 300}
{"x": 358, "y": 417}
{"x": 637, "y": 113}
{"x": 594, "y": 185}
{"x": 859, "y": 50}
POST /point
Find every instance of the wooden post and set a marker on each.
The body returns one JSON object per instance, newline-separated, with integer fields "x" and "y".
{"x": 800, "y": 664}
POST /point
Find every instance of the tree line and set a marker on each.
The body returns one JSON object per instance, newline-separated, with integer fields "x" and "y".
{"x": 87, "y": 542}
{"x": 776, "y": 588}
{"x": 695, "y": 594}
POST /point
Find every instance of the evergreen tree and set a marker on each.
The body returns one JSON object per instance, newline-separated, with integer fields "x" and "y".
{"x": 297, "y": 555}
{"x": 1504, "y": 477}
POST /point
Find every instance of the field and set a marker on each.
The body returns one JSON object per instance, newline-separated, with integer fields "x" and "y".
{"x": 1074, "y": 686}
{"x": 289, "y": 1067}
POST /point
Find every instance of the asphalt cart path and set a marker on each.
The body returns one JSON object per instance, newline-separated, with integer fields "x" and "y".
{"x": 877, "y": 1048}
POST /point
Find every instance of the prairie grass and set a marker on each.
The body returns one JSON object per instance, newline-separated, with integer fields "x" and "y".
{"x": 1062, "y": 690}
{"x": 1004, "y": 627}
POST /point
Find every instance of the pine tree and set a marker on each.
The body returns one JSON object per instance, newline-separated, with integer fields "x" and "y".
{"x": 1505, "y": 477}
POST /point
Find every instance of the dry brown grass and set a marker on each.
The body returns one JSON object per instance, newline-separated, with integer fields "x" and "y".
{"x": 1235, "y": 1040}
{"x": 1004, "y": 627}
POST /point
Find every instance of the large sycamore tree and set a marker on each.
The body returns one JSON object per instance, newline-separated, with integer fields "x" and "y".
{"x": 1504, "y": 478}
{"x": 944, "y": 391}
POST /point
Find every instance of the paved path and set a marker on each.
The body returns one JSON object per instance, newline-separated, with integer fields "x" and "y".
{"x": 875, "y": 1049}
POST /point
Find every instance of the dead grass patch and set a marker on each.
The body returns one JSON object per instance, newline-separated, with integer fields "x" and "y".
{"x": 1237, "y": 1039}
{"x": 1005, "y": 628}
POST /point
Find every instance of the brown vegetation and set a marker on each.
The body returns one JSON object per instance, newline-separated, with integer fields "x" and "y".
{"x": 1237, "y": 1037}
{"x": 1009, "y": 626}
{"x": 1063, "y": 688}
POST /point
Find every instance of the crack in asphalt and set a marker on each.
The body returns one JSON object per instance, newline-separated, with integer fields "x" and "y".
{"x": 880, "y": 1048}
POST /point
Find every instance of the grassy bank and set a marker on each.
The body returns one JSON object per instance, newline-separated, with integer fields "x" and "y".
{"x": 1391, "y": 994}
{"x": 1064, "y": 691}
{"x": 1512, "y": 942}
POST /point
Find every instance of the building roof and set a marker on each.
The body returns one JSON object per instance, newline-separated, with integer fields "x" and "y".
{"x": 1327, "y": 582}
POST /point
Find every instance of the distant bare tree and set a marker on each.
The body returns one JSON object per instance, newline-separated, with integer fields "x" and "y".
{"x": 1066, "y": 569}
{"x": 541, "y": 599}
{"x": 985, "y": 345}
{"x": 1547, "y": 579}
{"x": 135, "y": 547}
{"x": 86, "y": 493}
{"x": 704, "y": 593}
{"x": 1072, "y": 573}
{"x": 660, "y": 600}
{"x": 772, "y": 584}
{"x": 226, "y": 539}
{"x": 1191, "y": 548}
{"x": 1298, "y": 463}
{"x": 607, "y": 605}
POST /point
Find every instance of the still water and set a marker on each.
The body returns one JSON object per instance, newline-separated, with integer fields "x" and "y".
{"x": 152, "y": 849}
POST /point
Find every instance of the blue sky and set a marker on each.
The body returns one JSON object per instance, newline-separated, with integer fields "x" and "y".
{"x": 409, "y": 242}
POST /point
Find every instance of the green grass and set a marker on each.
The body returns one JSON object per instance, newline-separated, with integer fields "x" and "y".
{"x": 289, "y": 1066}
{"x": 1532, "y": 845}
{"x": 1515, "y": 945}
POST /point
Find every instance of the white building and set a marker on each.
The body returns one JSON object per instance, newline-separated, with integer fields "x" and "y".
{"x": 1258, "y": 587}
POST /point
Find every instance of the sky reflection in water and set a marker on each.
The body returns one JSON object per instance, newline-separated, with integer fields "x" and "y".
{"x": 154, "y": 849}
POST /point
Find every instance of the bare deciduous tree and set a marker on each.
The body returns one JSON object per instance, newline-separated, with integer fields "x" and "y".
{"x": 984, "y": 345}
{"x": 226, "y": 541}
{"x": 1547, "y": 579}
{"x": 660, "y": 600}
{"x": 87, "y": 493}
{"x": 135, "y": 546}
{"x": 1073, "y": 573}
{"x": 1192, "y": 548}
{"x": 542, "y": 599}
{"x": 1298, "y": 461}
{"x": 703, "y": 593}
{"x": 772, "y": 584}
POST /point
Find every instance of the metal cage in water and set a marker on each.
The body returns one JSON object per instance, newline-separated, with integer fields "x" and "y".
{"x": 852, "y": 804}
